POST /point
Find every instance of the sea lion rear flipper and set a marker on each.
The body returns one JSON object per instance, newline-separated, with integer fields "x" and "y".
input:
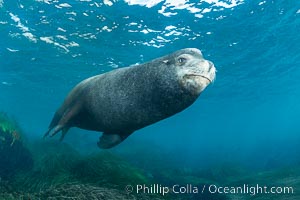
{"x": 110, "y": 140}
{"x": 64, "y": 132}
{"x": 54, "y": 122}
{"x": 61, "y": 122}
{"x": 55, "y": 130}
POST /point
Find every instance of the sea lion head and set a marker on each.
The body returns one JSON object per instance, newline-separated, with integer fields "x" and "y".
{"x": 194, "y": 72}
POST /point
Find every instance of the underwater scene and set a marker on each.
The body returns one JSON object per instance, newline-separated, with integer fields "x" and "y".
{"x": 158, "y": 99}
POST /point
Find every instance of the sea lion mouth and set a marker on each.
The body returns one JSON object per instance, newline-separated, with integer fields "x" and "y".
{"x": 200, "y": 75}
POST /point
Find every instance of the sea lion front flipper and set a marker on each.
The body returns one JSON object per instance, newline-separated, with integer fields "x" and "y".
{"x": 110, "y": 140}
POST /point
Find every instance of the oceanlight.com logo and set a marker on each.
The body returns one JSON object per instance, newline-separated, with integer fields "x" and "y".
{"x": 251, "y": 190}
{"x": 212, "y": 189}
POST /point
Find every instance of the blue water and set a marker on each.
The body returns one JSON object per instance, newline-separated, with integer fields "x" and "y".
{"x": 250, "y": 114}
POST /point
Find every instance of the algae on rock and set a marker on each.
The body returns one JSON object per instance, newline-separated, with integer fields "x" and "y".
{"x": 14, "y": 156}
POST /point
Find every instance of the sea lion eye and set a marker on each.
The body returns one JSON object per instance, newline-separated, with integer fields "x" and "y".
{"x": 181, "y": 60}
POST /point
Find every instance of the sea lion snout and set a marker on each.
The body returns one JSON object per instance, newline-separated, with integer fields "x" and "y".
{"x": 207, "y": 70}
{"x": 203, "y": 68}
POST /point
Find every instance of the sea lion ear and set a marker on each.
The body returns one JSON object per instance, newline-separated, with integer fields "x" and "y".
{"x": 166, "y": 62}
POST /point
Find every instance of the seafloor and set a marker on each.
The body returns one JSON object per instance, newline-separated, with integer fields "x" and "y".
{"x": 53, "y": 170}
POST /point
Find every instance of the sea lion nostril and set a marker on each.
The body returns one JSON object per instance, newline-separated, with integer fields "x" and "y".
{"x": 210, "y": 65}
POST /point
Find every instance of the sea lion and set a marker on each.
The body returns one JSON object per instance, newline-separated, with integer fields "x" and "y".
{"x": 124, "y": 100}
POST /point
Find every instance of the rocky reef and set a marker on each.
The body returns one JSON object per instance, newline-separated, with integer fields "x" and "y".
{"x": 14, "y": 156}
{"x": 60, "y": 172}
{"x": 74, "y": 191}
{"x": 48, "y": 169}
